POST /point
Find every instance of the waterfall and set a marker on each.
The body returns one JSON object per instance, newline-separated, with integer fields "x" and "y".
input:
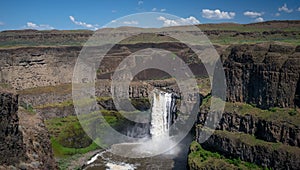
{"x": 162, "y": 113}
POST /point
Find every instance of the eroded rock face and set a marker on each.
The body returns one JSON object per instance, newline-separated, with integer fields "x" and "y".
{"x": 266, "y": 75}
{"x": 262, "y": 74}
{"x": 45, "y": 37}
{"x": 37, "y": 66}
{"x": 37, "y": 141}
{"x": 57, "y": 102}
{"x": 12, "y": 148}
{"x": 29, "y": 67}
{"x": 24, "y": 140}
{"x": 271, "y": 131}
{"x": 263, "y": 154}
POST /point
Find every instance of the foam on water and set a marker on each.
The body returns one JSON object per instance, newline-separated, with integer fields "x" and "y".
{"x": 120, "y": 166}
{"x": 161, "y": 120}
{"x": 93, "y": 159}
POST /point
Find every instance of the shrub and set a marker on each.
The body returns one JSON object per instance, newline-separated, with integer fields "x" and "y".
{"x": 293, "y": 112}
{"x": 273, "y": 109}
{"x": 73, "y": 136}
{"x": 27, "y": 107}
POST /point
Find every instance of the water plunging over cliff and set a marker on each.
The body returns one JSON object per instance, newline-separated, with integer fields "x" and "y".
{"x": 162, "y": 115}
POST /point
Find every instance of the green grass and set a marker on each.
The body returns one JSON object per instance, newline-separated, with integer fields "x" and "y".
{"x": 226, "y": 37}
{"x": 200, "y": 158}
{"x": 30, "y": 110}
{"x": 274, "y": 114}
{"x": 140, "y": 103}
{"x": 58, "y": 89}
{"x": 66, "y": 103}
{"x": 65, "y": 163}
{"x": 252, "y": 141}
{"x": 57, "y": 126}
{"x": 5, "y": 86}
{"x": 62, "y": 152}
{"x": 68, "y": 132}
{"x": 256, "y": 27}
{"x": 26, "y": 107}
{"x": 227, "y": 40}
{"x": 68, "y": 137}
{"x": 293, "y": 112}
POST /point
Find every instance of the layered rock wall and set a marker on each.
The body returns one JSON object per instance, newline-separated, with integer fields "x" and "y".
{"x": 267, "y": 130}
{"x": 262, "y": 74}
{"x": 261, "y": 153}
{"x": 37, "y": 66}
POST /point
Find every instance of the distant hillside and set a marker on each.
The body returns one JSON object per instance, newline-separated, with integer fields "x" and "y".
{"x": 223, "y": 33}
{"x": 292, "y": 25}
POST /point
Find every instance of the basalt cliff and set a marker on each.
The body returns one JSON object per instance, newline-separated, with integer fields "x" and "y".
{"x": 260, "y": 122}
{"x": 264, "y": 75}
{"x": 25, "y": 142}
{"x": 259, "y": 127}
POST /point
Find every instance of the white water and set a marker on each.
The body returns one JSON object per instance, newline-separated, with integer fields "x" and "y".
{"x": 122, "y": 166}
{"x": 93, "y": 159}
{"x": 160, "y": 125}
{"x": 161, "y": 114}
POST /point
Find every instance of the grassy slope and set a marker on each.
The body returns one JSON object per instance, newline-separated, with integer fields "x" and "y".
{"x": 58, "y": 89}
{"x": 275, "y": 114}
{"x": 63, "y": 129}
{"x": 58, "y": 128}
{"x": 200, "y": 158}
{"x": 292, "y": 28}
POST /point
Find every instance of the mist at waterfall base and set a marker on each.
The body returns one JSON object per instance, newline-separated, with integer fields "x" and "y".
{"x": 154, "y": 138}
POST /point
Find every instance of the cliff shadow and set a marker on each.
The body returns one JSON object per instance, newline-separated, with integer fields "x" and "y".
{"x": 297, "y": 95}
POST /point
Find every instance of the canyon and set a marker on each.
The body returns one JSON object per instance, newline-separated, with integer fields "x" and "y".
{"x": 260, "y": 123}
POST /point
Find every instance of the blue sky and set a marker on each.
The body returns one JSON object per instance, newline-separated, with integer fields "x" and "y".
{"x": 80, "y": 14}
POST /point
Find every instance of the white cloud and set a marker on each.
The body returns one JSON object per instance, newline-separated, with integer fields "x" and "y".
{"x": 131, "y": 22}
{"x": 161, "y": 10}
{"x": 298, "y": 9}
{"x": 31, "y": 25}
{"x": 83, "y": 24}
{"x": 277, "y": 14}
{"x": 259, "y": 19}
{"x": 1, "y": 23}
{"x": 285, "y": 9}
{"x": 114, "y": 11}
{"x": 252, "y": 14}
{"x": 182, "y": 21}
{"x": 217, "y": 14}
{"x": 140, "y": 2}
